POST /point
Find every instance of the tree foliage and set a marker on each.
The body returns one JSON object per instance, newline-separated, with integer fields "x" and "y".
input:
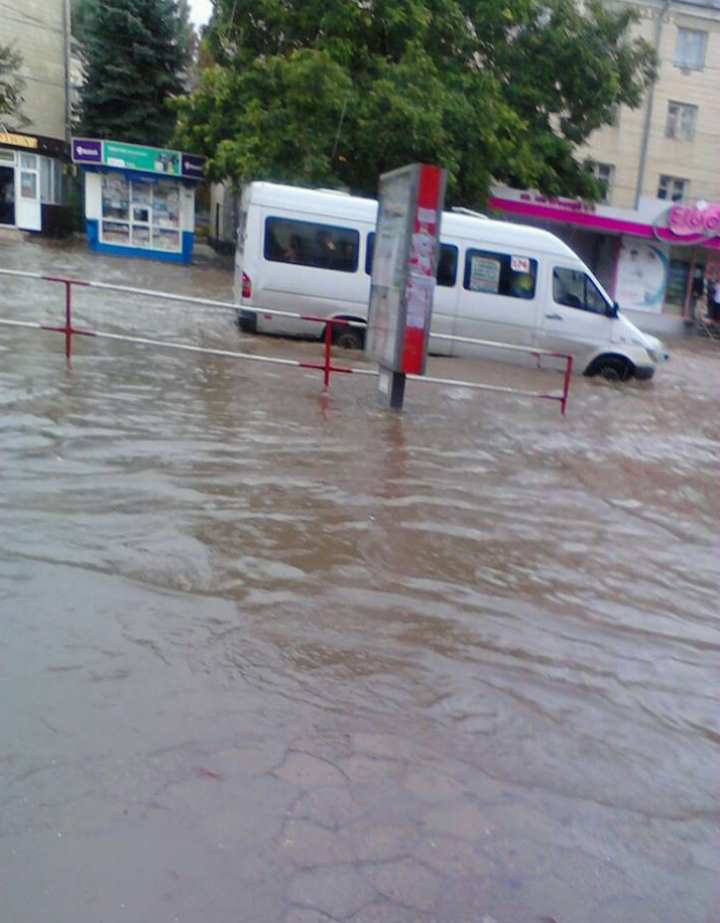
{"x": 338, "y": 91}
{"x": 135, "y": 54}
{"x": 11, "y": 89}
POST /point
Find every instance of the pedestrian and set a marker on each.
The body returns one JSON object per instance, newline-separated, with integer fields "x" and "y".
{"x": 697, "y": 294}
{"x": 714, "y": 300}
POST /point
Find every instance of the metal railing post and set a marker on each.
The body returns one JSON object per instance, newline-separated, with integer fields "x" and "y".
{"x": 68, "y": 319}
{"x": 328, "y": 344}
{"x": 566, "y": 384}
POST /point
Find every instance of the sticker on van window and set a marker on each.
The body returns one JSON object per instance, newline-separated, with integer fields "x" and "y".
{"x": 520, "y": 264}
{"x": 484, "y": 274}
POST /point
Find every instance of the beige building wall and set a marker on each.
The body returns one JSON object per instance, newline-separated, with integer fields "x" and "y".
{"x": 638, "y": 149}
{"x": 39, "y": 31}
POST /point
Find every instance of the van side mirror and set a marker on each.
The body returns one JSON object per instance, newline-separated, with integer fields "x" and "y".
{"x": 612, "y": 309}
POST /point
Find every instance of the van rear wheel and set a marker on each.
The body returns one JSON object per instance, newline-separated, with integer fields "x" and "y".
{"x": 349, "y": 338}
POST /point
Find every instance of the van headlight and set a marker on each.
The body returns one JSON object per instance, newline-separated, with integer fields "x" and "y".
{"x": 656, "y": 350}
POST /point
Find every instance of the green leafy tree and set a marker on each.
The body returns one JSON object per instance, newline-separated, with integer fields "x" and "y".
{"x": 336, "y": 92}
{"x": 135, "y": 55}
{"x": 11, "y": 89}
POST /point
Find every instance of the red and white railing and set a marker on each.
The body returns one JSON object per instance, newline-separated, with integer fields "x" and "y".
{"x": 326, "y": 366}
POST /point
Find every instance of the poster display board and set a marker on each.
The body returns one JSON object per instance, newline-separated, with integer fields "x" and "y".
{"x": 404, "y": 267}
{"x": 642, "y": 274}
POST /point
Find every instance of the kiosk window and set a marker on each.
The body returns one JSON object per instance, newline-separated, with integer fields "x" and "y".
{"x": 322, "y": 246}
{"x": 447, "y": 262}
{"x": 140, "y": 213}
{"x": 577, "y": 290}
{"x": 513, "y": 275}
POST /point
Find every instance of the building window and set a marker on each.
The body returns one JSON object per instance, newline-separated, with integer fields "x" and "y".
{"x": 604, "y": 173}
{"x": 680, "y": 121}
{"x": 690, "y": 49}
{"x": 672, "y": 188}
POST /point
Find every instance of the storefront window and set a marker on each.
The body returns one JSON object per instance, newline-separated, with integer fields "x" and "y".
{"x": 678, "y": 280}
{"x": 29, "y": 161}
{"x": 140, "y": 213}
{"x": 52, "y": 190}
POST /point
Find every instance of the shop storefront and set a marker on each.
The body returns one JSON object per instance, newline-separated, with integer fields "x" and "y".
{"x": 650, "y": 260}
{"x": 33, "y": 183}
{"x": 139, "y": 201}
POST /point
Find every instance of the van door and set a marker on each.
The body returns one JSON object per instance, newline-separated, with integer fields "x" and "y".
{"x": 499, "y": 302}
{"x": 28, "y": 213}
{"x": 575, "y": 318}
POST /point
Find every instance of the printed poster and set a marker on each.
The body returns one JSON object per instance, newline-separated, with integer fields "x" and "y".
{"x": 642, "y": 274}
{"x": 484, "y": 274}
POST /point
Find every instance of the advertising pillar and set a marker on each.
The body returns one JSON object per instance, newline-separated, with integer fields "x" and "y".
{"x": 403, "y": 275}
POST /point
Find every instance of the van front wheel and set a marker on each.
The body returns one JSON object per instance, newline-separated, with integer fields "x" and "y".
{"x": 349, "y": 338}
{"x": 612, "y": 368}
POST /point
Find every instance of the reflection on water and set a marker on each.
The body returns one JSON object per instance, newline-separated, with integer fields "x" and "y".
{"x": 475, "y": 640}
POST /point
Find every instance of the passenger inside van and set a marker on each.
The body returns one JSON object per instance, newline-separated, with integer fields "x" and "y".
{"x": 273, "y": 250}
{"x": 294, "y": 251}
{"x": 522, "y": 285}
{"x": 325, "y": 250}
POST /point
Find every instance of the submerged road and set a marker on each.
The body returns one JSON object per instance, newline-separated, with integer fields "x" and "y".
{"x": 271, "y": 655}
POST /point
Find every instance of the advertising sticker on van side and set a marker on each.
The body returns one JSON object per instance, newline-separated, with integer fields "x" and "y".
{"x": 520, "y": 264}
{"x": 484, "y": 274}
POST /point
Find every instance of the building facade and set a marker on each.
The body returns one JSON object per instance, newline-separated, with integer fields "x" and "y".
{"x": 34, "y": 157}
{"x": 656, "y": 231}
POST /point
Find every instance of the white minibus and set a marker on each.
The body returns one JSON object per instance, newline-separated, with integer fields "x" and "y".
{"x": 309, "y": 251}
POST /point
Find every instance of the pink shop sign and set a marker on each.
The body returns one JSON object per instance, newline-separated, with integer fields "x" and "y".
{"x": 573, "y": 205}
{"x": 694, "y": 224}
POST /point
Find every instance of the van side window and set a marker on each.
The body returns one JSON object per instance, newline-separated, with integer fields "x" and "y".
{"x": 447, "y": 265}
{"x": 323, "y": 246}
{"x": 508, "y": 274}
{"x": 447, "y": 262}
{"x": 575, "y": 289}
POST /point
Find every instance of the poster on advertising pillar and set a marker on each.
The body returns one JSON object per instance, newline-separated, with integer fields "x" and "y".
{"x": 404, "y": 267}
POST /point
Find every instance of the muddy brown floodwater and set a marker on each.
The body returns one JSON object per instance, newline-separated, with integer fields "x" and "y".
{"x": 271, "y": 655}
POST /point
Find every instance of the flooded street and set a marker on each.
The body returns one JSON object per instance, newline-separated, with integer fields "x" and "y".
{"x": 269, "y": 654}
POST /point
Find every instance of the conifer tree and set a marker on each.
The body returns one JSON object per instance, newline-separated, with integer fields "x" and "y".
{"x": 135, "y": 54}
